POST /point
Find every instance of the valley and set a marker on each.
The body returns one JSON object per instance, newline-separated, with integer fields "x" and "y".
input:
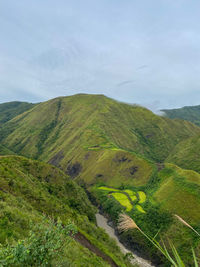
{"x": 128, "y": 160}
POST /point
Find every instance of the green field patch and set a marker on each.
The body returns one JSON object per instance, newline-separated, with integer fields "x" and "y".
{"x": 142, "y": 196}
{"x": 131, "y": 194}
{"x": 123, "y": 200}
{"x": 108, "y": 189}
{"x": 139, "y": 208}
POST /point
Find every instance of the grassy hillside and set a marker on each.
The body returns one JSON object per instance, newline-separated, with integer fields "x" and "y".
{"x": 5, "y": 151}
{"x": 29, "y": 189}
{"x": 171, "y": 191}
{"x": 79, "y": 131}
{"x": 187, "y": 154}
{"x": 100, "y": 142}
{"x": 12, "y": 109}
{"x": 190, "y": 113}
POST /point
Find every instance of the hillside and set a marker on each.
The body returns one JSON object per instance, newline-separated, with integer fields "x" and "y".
{"x": 118, "y": 153}
{"x": 189, "y": 113}
{"x": 29, "y": 189}
{"x": 186, "y": 154}
{"x": 76, "y": 132}
{"x": 171, "y": 190}
{"x": 5, "y": 151}
{"x": 12, "y": 109}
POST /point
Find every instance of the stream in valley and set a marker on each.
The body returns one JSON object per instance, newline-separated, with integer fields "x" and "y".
{"x": 103, "y": 223}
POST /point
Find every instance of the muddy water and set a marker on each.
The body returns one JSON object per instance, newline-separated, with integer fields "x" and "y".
{"x": 103, "y": 223}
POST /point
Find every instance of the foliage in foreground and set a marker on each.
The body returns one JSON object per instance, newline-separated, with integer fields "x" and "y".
{"x": 126, "y": 223}
{"x": 44, "y": 242}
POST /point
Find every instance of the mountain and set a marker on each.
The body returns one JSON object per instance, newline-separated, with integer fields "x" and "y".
{"x": 189, "y": 113}
{"x": 5, "y": 151}
{"x": 74, "y": 133}
{"x": 120, "y": 153}
{"x": 29, "y": 189}
{"x": 12, "y": 109}
{"x": 186, "y": 153}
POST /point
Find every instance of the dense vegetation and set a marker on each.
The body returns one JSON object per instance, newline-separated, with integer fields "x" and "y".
{"x": 176, "y": 192}
{"x": 190, "y": 113}
{"x": 29, "y": 189}
{"x": 100, "y": 142}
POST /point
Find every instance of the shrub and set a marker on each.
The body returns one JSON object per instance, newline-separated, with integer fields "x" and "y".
{"x": 44, "y": 242}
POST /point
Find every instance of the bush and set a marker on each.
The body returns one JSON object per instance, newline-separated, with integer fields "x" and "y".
{"x": 44, "y": 243}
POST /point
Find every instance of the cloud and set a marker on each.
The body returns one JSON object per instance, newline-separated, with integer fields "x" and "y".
{"x": 142, "y": 67}
{"x": 125, "y": 83}
{"x": 135, "y": 51}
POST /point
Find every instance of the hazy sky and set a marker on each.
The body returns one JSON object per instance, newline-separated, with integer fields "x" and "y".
{"x": 138, "y": 51}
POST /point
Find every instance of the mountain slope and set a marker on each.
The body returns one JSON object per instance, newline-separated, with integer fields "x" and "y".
{"x": 29, "y": 189}
{"x": 170, "y": 191}
{"x": 12, "y": 109}
{"x": 76, "y": 132}
{"x": 189, "y": 113}
{"x": 187, "y": 154}
{"x": 98, "y": 142}
{"x": 5, "y": 151}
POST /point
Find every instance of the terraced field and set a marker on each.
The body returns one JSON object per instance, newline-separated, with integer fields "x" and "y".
{"x": 123, "y": 200}
{"x": 142, "y": 196}
{"x": 127, "y": 198}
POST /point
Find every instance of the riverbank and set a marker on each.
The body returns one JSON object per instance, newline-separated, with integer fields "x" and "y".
{"x": 103, "y": 223}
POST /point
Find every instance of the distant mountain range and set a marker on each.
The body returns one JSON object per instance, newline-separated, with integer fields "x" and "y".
{"x": 97, "y": 141}
{"x": 190, "y": 113}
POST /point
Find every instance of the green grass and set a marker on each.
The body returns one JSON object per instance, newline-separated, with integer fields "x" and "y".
{"x": 77, "y": 123}
{"x": 99, "y": 141}
{"x": 12, "y": 109}
{"x": 179, "y": 191}
{"x": 131, "y": 194}
{"x": 186, "y": 154}
{"x": 109, "y": 189}
{"x": 121, "y": 197}
{"x": 123, "y": 200}
{"x": 5, "y": 151}
{"x": 30, "y": 189}
{"x": 142, "y": 196}
{"x": 140, "y": 209}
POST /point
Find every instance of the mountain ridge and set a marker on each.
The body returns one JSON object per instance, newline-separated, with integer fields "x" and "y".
{"x": 98, "y": 141}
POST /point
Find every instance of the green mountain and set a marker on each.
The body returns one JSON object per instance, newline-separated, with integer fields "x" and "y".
{"x": 186, "y": 154}
{"x": 12, "y": 109}
{"x": 5, "y": 151}
{"x": 189, "y": 113}
{"x": 119, "y": 153}
{"x": 29, "y": 189}
{"x": 76, "y": 132}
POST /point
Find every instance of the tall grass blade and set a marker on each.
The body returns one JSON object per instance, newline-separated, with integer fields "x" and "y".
{"x": 195, "y": 259}
{"x": 186, "y": 224}
{"x": 177, "y": 257}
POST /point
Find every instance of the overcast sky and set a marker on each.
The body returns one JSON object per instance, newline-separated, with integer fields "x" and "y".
{"x": 137, "y": 51}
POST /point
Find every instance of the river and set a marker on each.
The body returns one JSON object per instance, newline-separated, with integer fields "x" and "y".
{"x": 103, "y": 223}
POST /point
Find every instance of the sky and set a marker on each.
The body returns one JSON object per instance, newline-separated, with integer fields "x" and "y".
{"x": 137, "y": 51}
